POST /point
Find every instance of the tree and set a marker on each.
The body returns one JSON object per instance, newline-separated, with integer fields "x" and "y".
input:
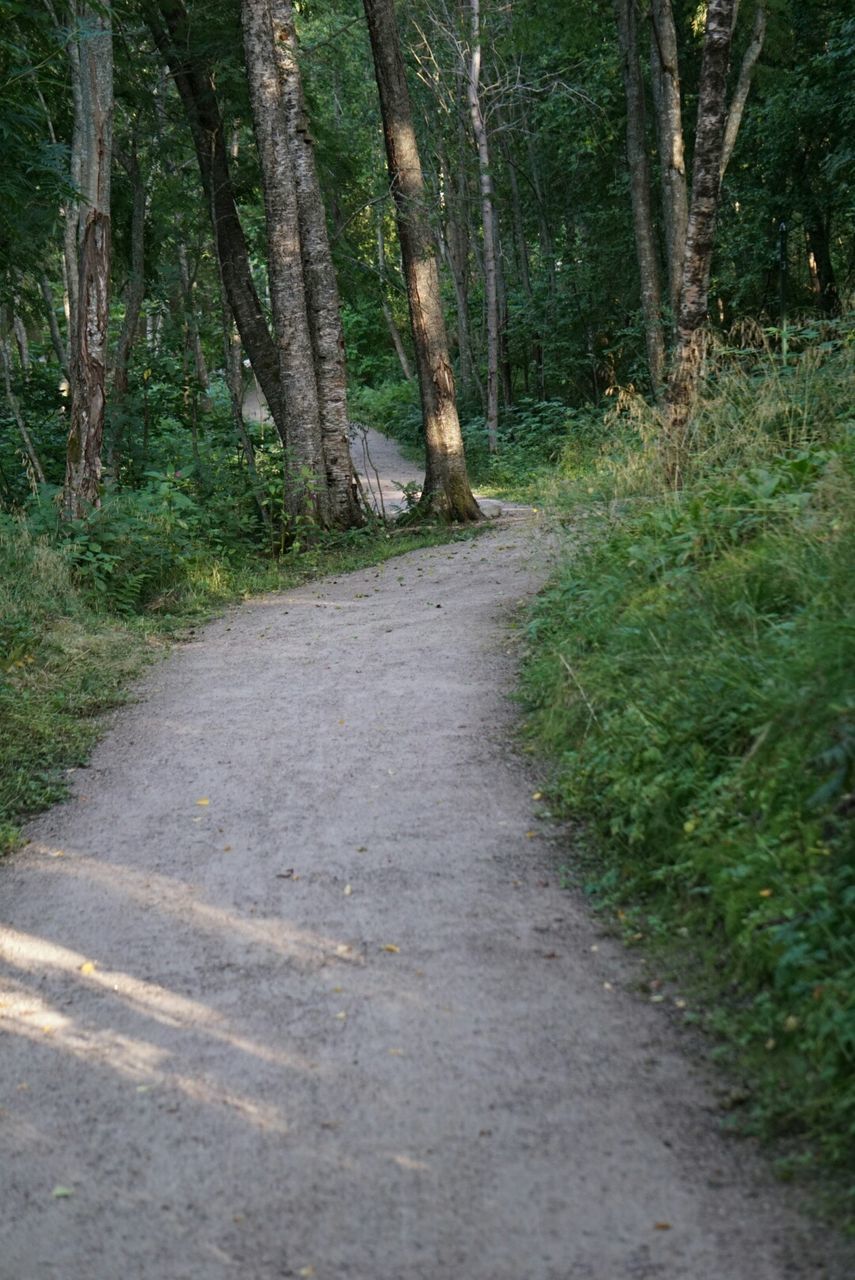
{"x": 446, "y": 489}
{"x": 306, "y": 484}
{"x": 321, "y": 288}
{"x": 92, "y": 76}
{"x": 640, "y": 190}
{"x": 700, "y": 236}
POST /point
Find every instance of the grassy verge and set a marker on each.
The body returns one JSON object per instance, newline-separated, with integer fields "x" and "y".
{"x": 691, "y": 678}
{"x": 66, "y": 657}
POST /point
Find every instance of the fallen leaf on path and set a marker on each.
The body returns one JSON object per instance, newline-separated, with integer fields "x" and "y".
{"x": 662, "y": 1226}
{"x": 537, "y": 795}
{"x": 203, "y": 802}
{"x": 390, "y": 946}
{"x": 348, "y": 890}
{"x": 341, "y": 1015}
{"x": 227, "y": 848}
{"x": 62, "y": 1193}
{"x": 307, "y": 1272}
{"x": 88, "y": 966}
{"x": 395, "y": 1053}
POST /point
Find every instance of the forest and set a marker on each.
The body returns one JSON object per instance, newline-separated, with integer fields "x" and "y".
{"x": 594, "y": 257}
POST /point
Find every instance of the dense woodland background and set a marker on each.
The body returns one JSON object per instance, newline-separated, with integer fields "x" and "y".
{"x": 689, "y": 670}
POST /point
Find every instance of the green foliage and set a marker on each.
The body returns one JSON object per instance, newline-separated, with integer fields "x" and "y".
{"x": 691, "y": 675}
{"x": 60, "y": 664}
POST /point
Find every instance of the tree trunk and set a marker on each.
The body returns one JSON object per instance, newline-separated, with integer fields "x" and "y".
{"x": 170, "y": 28}
{"x": 394, "y": 332}
{"x": 743, "y": 85}
{"x": 322, "y": 298}
{"x": 307, "y": 494}
{"x": 639, "y": 186}
{"x": 823, "y": 280}
{"x": 665, "y": 78}
{"x": 488, "y": 220}
{"x": 59, "y": 348}
{"x": 199, "y": 366}
{"x": 446, "y": 489}
{"x": 89, "y": 353}
{"x": 706, "y": 187}
{"x": 136, "y": 280}
{"x": 38, "y": 475}
{"x": 233, "y": 353}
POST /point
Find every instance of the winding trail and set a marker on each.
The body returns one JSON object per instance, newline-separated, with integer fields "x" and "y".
{"x": 290, "y": 988}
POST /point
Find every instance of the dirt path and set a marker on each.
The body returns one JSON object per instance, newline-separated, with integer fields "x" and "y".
{"x": 290, "y": 987}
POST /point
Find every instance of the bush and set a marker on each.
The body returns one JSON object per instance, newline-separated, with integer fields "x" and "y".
{"x": 691, "y": 674}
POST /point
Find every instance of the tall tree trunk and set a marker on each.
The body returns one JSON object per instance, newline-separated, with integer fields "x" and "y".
{"x": 94, "y": 40}
{"x": 200, "y": 368}
{"x": 823, "y": 280}
{"x": 703, "y": 209}
{"x": 446, "y": 488}
{"x": 59, "y": 348}
{"x": 743, "y": 84}
{"x": 488, "y": 220}
{"x": 307, "y": 485}
{"x": 639, "y": 186}
{"x": 136, "y": 279}
{"x": 394, "y": 332}
{"x": 665, "y": 79}
{"x": 322, "y": 298}
{"x": 233, "y": 353}
{"x": 169, "y": 24}
{"x": 454, "y": 247}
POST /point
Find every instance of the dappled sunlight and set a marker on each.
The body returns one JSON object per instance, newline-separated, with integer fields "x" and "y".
{"x": 177, "y": 898}
{"x": 146, "y": 1065}
{"x": 35, "y": 955}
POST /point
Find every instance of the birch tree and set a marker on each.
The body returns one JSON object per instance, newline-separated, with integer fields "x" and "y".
{"x": 92, "y": 76}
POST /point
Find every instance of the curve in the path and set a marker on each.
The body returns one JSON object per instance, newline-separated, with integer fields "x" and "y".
{"x": 290, "y": 988}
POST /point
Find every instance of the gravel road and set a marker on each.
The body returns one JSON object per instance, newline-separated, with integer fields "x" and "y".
{"x": 291, "y": 989}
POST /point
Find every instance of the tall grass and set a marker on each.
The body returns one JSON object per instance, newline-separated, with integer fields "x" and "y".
{"x": 691, "y": 675}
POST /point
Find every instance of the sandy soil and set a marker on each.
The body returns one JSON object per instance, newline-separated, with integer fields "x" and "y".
{"x": 290, "y": 987}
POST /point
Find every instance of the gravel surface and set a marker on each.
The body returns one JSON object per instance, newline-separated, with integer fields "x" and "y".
{"x": 290, "y": 987}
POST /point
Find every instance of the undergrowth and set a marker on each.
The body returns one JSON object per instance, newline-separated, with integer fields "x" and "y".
{"x": 690, "y": 675}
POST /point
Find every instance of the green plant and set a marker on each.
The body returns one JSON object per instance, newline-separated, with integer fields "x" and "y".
{"x": 690, "y": 674}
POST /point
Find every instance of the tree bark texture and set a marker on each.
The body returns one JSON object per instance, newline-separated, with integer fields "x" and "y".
{"x": 307, "y": 491}
{"x": 446, "y": 488}
{"x": 488, "y": 222}
{"x": 169, "y": 24}
{"x": 639, "y": 186}
{"x": 321, "y": 288}
{"x": 703, "y": 208}
{"x": 89, "y": 354}
{"x": 665, "y": 79}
